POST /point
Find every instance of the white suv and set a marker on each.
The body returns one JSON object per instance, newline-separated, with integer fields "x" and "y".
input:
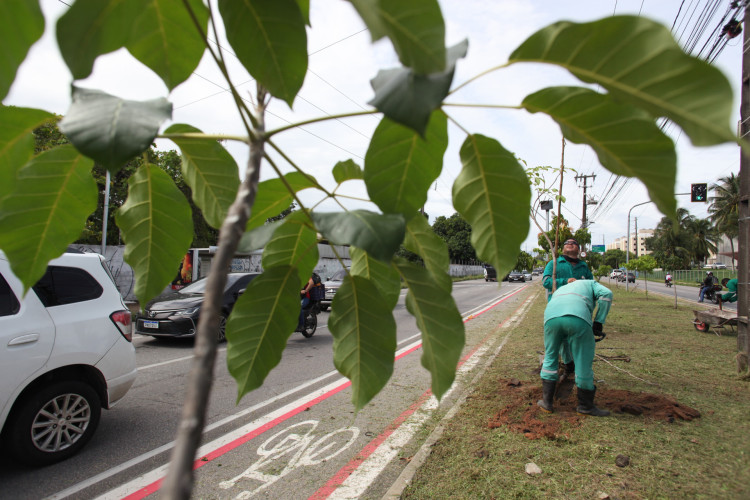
{"x": 65, "y": 352}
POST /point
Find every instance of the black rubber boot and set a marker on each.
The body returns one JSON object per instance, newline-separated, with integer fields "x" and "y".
{"x": 586, "y": 404}
{"x": 548, "y": 392}
{"x": 566, "y": 382}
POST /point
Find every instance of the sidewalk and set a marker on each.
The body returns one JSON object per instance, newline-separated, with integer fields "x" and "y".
{"x": 677, "y": 404}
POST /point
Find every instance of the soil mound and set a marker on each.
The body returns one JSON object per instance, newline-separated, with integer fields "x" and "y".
{"x": 521, "y": 413}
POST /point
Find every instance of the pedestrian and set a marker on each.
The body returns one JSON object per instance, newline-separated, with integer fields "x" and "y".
{"x": 567, "y": 317}
{"x": 569, "y": 269}
{"x": 708, "y": 283}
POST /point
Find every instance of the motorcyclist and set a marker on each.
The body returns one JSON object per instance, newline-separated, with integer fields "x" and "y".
{"x": 668, "y": 279}
{"x": 707, "y": 285}
{"x": 305, "y": 293}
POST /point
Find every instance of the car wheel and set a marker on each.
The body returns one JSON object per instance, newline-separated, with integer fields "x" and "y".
{"x": 222, "y": 335}
{"x": 54, "y": 423}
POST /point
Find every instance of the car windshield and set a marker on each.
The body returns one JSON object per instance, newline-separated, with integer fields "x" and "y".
{"x": 199, "y": 287}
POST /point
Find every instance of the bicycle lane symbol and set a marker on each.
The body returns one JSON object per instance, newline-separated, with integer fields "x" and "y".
{"x": 296, "y": 446}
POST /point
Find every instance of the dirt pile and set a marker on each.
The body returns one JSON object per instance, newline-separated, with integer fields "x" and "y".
{"x": 521, "y": 413}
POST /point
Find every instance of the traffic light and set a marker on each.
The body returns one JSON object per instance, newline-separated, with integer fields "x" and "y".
{"x": 699, "y": 192}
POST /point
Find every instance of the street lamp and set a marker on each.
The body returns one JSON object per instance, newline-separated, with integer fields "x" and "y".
{"x": 627, "y": 250}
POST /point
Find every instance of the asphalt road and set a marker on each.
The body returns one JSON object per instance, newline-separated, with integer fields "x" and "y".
{"x": 296, "y": 437}
{"x": 684, "y": 293}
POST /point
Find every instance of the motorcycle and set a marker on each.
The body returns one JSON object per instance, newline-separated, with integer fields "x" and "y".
{"x": 668, "y": 282}
{"x": 311, "y": 318}
{"x": 711, "y": 293}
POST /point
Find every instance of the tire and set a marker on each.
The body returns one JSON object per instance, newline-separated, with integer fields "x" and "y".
{"x": 715, "y": 298}
{"x": 311, "y": 324}
{"x": 701, "y": 327}
{"x": 31, "y": 426}
{"x": 221, "y": 336}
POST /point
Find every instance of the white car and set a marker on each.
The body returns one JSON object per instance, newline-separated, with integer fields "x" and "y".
{"x": 616, "y": 273}
{"x": 65, "y": 353}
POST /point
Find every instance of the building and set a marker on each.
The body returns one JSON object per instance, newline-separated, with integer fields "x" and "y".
{"x": 637, "y": 244}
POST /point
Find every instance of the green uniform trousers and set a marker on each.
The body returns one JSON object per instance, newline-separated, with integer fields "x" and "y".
{"x": 580, "y": 338}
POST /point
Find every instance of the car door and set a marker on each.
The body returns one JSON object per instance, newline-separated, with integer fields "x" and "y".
{"x": 27, "y": 335}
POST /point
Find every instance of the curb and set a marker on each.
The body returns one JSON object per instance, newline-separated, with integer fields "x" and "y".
{"x": 419, "y": 458}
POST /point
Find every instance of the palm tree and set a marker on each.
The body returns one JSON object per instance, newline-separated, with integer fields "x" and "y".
{"x": 703, "y": 238}
{"x": 724, "y": 210}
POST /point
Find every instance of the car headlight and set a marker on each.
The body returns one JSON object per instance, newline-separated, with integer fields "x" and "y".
{"x": 188, "y": 312}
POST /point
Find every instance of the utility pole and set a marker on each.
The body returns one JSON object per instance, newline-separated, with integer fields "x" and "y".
{"x": 584, "y": 221}
{"x": 636, "y": 237}
{"x": 743, "y": 274}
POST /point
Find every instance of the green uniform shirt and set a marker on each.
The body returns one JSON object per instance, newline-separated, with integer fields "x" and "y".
{"x": 732, "y": 295}
{"x": 579, "y": 299}
{"x": 565, "y": 271}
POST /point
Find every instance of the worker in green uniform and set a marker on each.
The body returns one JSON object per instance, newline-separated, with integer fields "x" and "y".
{"x": 731, "y": 285}
{"x": 569, "y": 269}
{"x": 568, "y": 317}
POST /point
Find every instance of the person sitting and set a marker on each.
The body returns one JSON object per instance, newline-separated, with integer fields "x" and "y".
{"x": 707, "y": 285}
{"x": 668, "y": 278}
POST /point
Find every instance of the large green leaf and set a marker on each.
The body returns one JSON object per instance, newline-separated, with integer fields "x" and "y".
{"x": 164, "y": 38}
{"x": 54, "y": 194}
{"x": 417, "y": 32}
{"x": 364, "y": 337}
{"x": 400, "y": 166}
{"x": 22, "y": 24}
{"x": 295, "y": 244}
{"x": 384, "y": 276}
{"x": 260, "y": 325}
{"x": 90, "y": 28}
{"x": 492, "y": 193}
{"x": 638, "y": 61}
{"x": 378, "y": 234}
{"x": 270, "y": 41}
{"x": 439, "y": 321}
{"x": 422, "y": 240}
{"x": 111, "y": 130}
{"x": 157, "y": 226}
{"x": 625, "y": 138}
{"x": 274, "y": 197}
{"x": 409, "y": 98}
{"x": 347, "y": 170}
{"x": 210, "y": 171}
{"x": 16, "y": 142}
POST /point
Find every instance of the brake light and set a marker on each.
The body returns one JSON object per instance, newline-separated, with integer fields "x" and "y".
{"x": 122, "y": 320}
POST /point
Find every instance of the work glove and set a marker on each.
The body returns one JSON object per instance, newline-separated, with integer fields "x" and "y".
{"x": 598, "y": 331}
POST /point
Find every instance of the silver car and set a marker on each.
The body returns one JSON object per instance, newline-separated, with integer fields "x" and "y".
{"x": 332, "y": 285}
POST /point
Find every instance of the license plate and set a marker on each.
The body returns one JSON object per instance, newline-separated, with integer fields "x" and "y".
{"x": 150, "y": 324}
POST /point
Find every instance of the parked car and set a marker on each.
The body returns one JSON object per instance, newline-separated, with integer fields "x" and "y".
{"x": 516, "y": 276}
{"x": 490, "y": 273}
{"x": 66, "y": 354}
{"x": 175, "y": 314}
{"x": 332, "y": 285}
{"x": 527, "y": 275}
{"x": 631, "y": 277}
{"x": 718, "y": 265}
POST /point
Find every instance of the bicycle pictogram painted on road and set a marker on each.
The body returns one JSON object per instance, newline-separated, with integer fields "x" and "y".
{"x": 296, "y": 446}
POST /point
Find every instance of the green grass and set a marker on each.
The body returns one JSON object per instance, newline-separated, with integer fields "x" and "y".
{"x": 706, "y": 458}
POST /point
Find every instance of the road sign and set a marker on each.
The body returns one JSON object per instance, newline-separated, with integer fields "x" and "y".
{"x": 597, "y": 248}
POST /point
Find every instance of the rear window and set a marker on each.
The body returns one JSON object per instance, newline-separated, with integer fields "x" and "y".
{"x": 9, "y": 304}
{"x": 62, "y": 285}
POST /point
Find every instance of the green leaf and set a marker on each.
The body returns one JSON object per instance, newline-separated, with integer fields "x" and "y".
{"x": 378, "y": 234}
{"x": 17, "y": 142}
{"x": 409, "y": 98}
{"x": 22, "y": 24}
{"x": 294, "y": 244}
{"x": 492, "y": 193}
{"x": 54, "y": 194}
{"x": 111, "y": 130}
{"x": 210, "y": 171}
{"x": 364, "y": 337}
{"x": 90, "y": 28}
{"x": 157, "y": 226}
{"x": 260, "y": 325}
{"x": 638, "y": 62}
{"x": 400, "y": 166}
{"x": 625, "y": 138}
{"x": 384, "y": 276}
{"x": 270, "y": 41}
{"x": 274, "y": 197}
{"x": 422, "y": 240}
{"x": 304, "y": 7}
{"x": 347, "y": 170}
{"x": 257, "y": 238}
{"x": 439, "y": 321}
{"x": 417, "y": 32}
{"x": 164, "y": 38}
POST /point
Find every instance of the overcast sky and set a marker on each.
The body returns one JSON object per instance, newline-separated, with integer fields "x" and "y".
{"x": 342, "y": 62}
